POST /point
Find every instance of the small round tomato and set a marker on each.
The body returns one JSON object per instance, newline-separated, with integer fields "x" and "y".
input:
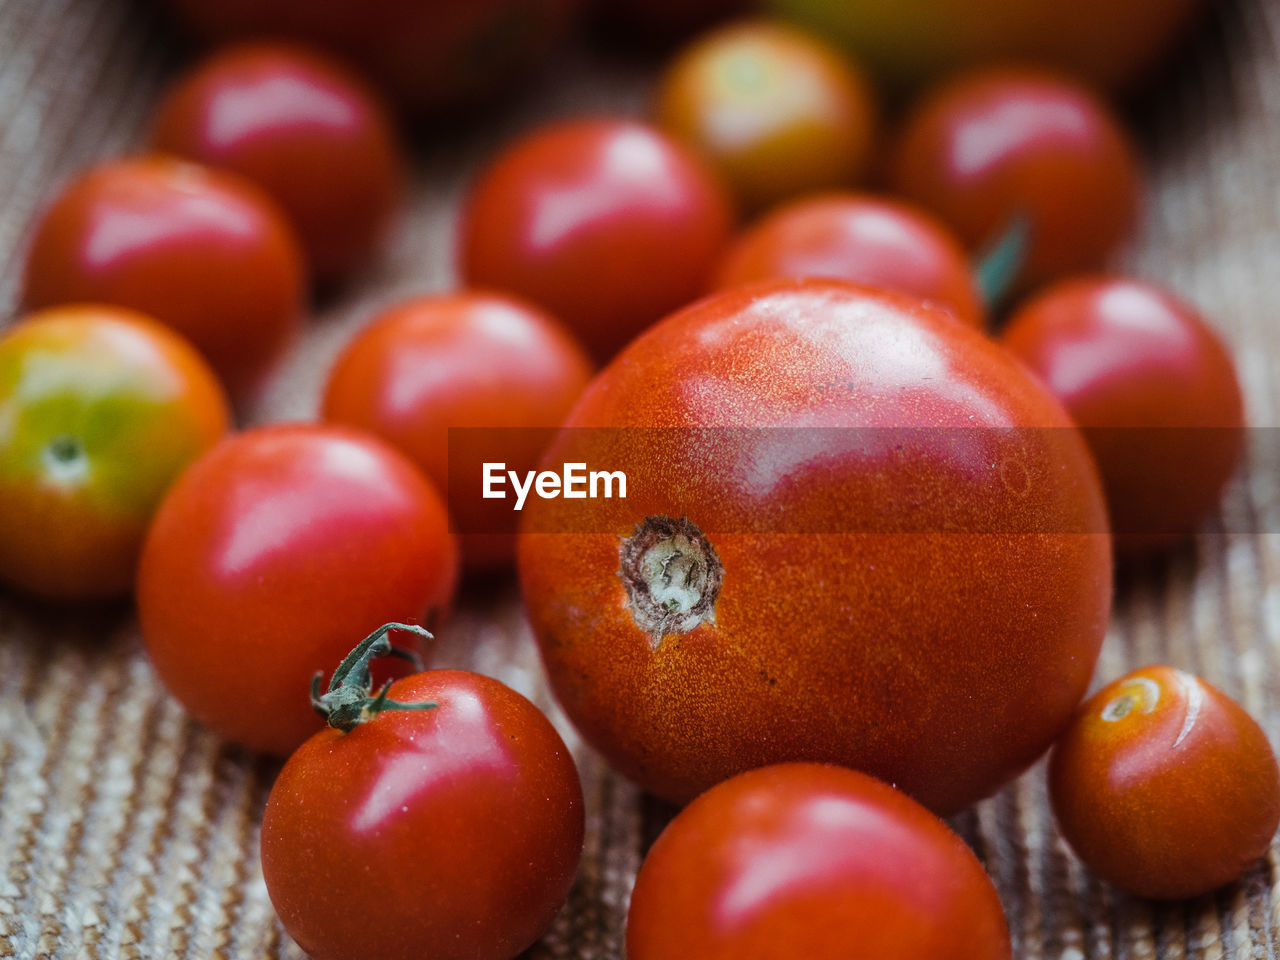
{"x": 1164, "y": 786}
{"x": 873, "y": 241}
{"x": 303, "y": 128}
{"x": 819, "y": 477}
{"x": 805, "y": 860}
{"x": 607, "y": 224}
{"x": 776, "y": 109}
{"x": 270, "y": 553}
{"x": 1154, "y": 389}
{"x": 202, "y": 250}
{"x": 466, "y": 360}
{"x": 1000, "y": 146}
{"x": 100, "y": 409}
{"x": 443, "y": 821}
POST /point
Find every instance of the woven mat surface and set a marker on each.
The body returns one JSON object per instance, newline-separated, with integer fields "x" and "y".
{"x": 128, "y": 831}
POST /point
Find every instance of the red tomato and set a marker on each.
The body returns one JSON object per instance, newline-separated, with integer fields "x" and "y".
{"x": 451, "y": 832}
{"x": 777, "y": 110}
{"x": 466, "y": 360}
{"x": 1004, "y": 143}
{"x": 1164, "y": 786}
{"x": 1154, "y": 389}
{"x": 874, "y": 241}
{"x": 201, "y": 250}
{"x": 100, "y": 409}
{"x": 268, "y": 555}
{"x": 304, "y": 129}
{"x": 819, "y": 862}
{"x": 427, "y": 55}
{"x": 607, "y": 224}
{"x": 791, "y": 575}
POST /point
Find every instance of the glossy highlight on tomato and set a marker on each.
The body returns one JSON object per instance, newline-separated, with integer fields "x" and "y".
{"x": 689, "y": 640}
{"x": 269, "y": 554}
{"x": 201, "y": 250}
{"x": 1002, "y": 144}
{"x": 101, "y": 408}
{"x": 805, "y": 860}
{"x": 1164, "y": 785}
{"x": 607, "y": 224}
{"x": 777, "y": 110}
{"x": 306, "y": 130}
{"x": 875, "y": 241}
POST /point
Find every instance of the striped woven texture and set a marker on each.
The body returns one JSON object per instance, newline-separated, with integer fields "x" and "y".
{"x": 128, "y": 831}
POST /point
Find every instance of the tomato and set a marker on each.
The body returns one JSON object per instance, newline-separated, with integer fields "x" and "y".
{"x": 1003, "y": 143}
{"x": 1111, "y": 44}
{"x": 607, "y": 224}
{"x": 269, "y": 554}
{"x": 1154, "y": 389}
{"x": 804, "y": 860}
{"x": 201, "y": 250}
{"x": 465, "y": 360}
{"x": 304, "y": 129}
{"x": 1164, "y": 786}
{"x": 449, "y": 825}
{"x": 875, "y": 241}
{"x": 100, "y": 409}
{"x": 427, "y": 55}
{"x": 777, "y": 110}
{"x": 850, "y": 538}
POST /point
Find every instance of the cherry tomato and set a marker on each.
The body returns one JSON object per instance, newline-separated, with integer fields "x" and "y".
{"x": 777, "y": 110}
{"x": 304, "y": 129}
{"x": 100, "y": 409}
{"x": 427, "y": 55}
{"x": 1002, "y": 144}
{"x": 837, "y": 473}
{"x": 450, "y": 831}
{"x": 201, "y": 250}
{"x": 466, "y": 360}
{"x": 1164, "y": 786}
{"x": 269, "y": 554}
{"x": 805, "y": 860}
{"x": 1114, "y": 45}
{"x": 607, "y": 224}
{"x": 1154, "y": 389}
{"x": 874, "y": 241}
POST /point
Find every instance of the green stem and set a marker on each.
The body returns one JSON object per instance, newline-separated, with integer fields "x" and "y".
{"x": 350, "y": 700}
{"x": 1000, "y": 263}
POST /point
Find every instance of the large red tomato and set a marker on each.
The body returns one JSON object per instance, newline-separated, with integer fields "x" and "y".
{"x": 202, "y": 250}
{"x": 607, "y": 224}
{"x": 817, "y": 862}
{"x": 304, "y": 129}
{"x": 270, "y": 553}
{"x": 446, "y": 826}
{"x": 850, "y": 539}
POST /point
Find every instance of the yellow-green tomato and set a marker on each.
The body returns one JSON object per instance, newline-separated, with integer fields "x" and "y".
{"x": 100, "y": 409}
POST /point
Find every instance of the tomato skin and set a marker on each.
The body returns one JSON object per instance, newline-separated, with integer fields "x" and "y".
{"x": 302, "y": 127}
{"x": 1155, "y": 390}
{"x": 137, "y": 402}
{"x": 607, "y": 224}
{"x": 805, "y": 860}
{"x": 201, "y": 250}
{"x": 274, "y": 550}
{"x": 451, "y": 833}
{"x": 843, "y": 646}
{"x": 876, "y": 241}
{"x": 1176, "y": 797}
{"x": 465, "y": 360}
{"x": 1000, "y": 142}
{"x": 777, "y": 110}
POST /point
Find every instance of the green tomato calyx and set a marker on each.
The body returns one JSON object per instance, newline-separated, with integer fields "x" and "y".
{"x": 350, "y": 700}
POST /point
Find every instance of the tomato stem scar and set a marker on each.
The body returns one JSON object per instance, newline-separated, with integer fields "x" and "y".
{"x": 350, "y": 700}
{"x": 672, "y": 575}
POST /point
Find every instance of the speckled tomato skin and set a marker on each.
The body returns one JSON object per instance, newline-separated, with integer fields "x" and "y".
{"x": 813, "y": 861}
{"x": 451, "y": 834}
{"x": 944, "y": 663}
{"x": 1171, "y": 801}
